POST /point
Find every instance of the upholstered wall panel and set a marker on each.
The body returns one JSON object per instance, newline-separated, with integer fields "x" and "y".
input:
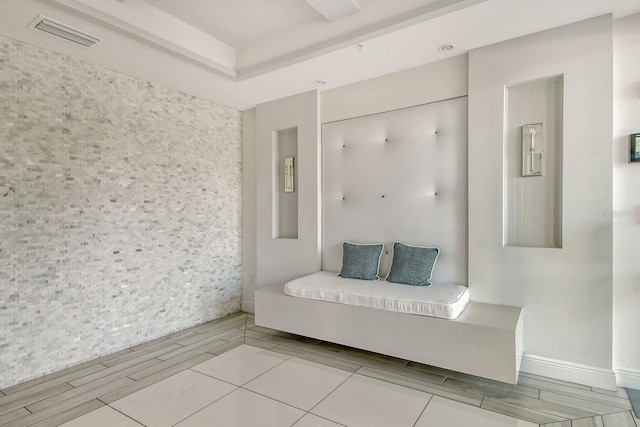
{"x": 400, "y": 175}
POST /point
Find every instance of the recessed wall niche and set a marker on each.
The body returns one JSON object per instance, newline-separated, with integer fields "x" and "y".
{"x": 533, "y": 139}
{"x": 285, "y": 203}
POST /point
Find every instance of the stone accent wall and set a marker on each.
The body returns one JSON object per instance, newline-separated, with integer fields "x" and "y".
{"x": 120, "y": 211}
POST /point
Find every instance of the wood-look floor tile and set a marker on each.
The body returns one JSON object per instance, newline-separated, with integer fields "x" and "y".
{"x": 491, "y": 390}
{"x": 121, "y": 369}
{"x": 299, "y": 338}
{"x": 485, "y": 382}
{"x": 70, "y": 414}
{"x": 237, "y": 322}
{"x": 621, "y": 419}
{"x": 13, "y": 415}
{"x": 432, "y": 369}
{"x": 71, "y": 403}
{"x": 134, "y": 386}
{"x": 73, "y": 369}
{"x": 259, "y": 343}
{"x": 254, "y": 334}
{"x": 367, "y": 361}
{"x": 519, "y": 412}
{"x": 558, "y": 424}
{"x": 190, "y": 354}
{"x": 219, "y": 323}
{"x": 168, "y": 339}
{"x": 618, "y": 392}
{"x": 524, "y": 375}
{"x": 618, "y": 402}
{"x": 54, "y": 401}
{"x": 262, "y": 329}
{"x": 56, "y": 380}
{"x": 482, "y": 382}
{"x": 317, "y": 358}
{"x": 209, "y": 343}
{"x": 300, "y": 345}
{"x": 11, "y": 402}
{"x": 549, "y": 407}
{"x": 88, "y": 391}
{"x": 579, "y": 392}
{"x": 588, "y": 422}
{"x": 414, "y": 373}
{"x": 435, "y": 389}
{"x": 216, "y": 331}
{"x": 229, "y": 346}
{"x": 370, "y": 355}
{"x": 578, "y": 403}
{"x": 333, "y": 346}
{"x": 224, "y": 334}
{"x": 139, "y": 356}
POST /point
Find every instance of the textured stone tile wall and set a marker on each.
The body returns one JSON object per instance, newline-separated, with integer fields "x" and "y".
{"x": 120, "y": 211}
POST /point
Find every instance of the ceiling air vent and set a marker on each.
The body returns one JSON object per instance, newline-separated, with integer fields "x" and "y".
{"x": 42, "y": 23}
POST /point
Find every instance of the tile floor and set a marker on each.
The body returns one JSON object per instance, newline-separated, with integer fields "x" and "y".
{"x": 250, "y": 386}
{"x": 232, "y": 373}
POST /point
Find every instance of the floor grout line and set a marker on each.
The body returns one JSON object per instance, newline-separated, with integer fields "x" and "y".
{"x": 423, "y": 409}
{"x": 329, "y": 353}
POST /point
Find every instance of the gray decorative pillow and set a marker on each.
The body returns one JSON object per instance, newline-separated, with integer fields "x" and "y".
{"x": 360, "y": 261}
{"x": 412, "y": 265}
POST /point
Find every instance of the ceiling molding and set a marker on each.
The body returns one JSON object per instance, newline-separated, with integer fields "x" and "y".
{"x": 398, "y": 22}
{"x": 83, "y": 9}
{"x": 97, "y": 16}
{"x": 334, "y": 10}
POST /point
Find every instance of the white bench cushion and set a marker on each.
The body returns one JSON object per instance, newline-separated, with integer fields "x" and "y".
{"x": 438, "y": 300}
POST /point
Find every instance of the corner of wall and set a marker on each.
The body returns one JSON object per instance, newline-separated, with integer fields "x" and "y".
{"x": 248, "y": 209}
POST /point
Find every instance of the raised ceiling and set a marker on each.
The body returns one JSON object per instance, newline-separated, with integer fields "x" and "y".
{"x": 244, "y": 52}
{"x": 261, "y": 31}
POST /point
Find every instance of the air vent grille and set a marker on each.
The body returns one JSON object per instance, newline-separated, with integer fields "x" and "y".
{"x": 64, "y": 31}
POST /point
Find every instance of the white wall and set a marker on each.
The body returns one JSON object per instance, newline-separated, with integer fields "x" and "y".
{"x": 279, "y": 260}
{"x": 248, "y": 208}
{"x": 566, "y": 293}
{"x": 420, "y": 85}
{"x": 428, "y": 83}
{"x": 626, "y": 203}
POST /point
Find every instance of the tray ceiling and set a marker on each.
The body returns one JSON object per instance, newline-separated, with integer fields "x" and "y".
{"x": 244, "y": 52}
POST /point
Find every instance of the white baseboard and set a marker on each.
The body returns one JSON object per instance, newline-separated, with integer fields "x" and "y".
{"x": 248, "y": 306}
{"x": 627, "y": 377}
{"x": 569, "y": 371}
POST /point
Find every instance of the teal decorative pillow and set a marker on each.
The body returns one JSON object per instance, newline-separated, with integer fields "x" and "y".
{"x": 412, "y": 265}
{"x": 360, "y": 261}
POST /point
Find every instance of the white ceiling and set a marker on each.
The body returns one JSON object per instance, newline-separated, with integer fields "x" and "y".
{"x": 263, "y": 30}
{"x": 244, "y": 52}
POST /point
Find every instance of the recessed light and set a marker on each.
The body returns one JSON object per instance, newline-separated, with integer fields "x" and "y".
{"x": 445, "y": 48}
{"x": 320, "y": 82}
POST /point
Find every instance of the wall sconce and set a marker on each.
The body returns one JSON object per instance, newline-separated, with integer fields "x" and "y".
{"x": 634, "y": 145}
{"x": 289, "y": 174}
{"x": 532, "y": 148}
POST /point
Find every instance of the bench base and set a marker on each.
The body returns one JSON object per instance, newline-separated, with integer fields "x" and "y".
{"x": 485, "y": 340}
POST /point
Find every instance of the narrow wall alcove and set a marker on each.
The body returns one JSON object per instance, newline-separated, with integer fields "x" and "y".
{"x": 533, "y": 173}
{"x": 285, "y": 204}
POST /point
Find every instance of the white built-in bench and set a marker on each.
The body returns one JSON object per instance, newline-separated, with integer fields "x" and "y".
{"x": 485, "y": 340}
{"x": 399, "y": 175}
